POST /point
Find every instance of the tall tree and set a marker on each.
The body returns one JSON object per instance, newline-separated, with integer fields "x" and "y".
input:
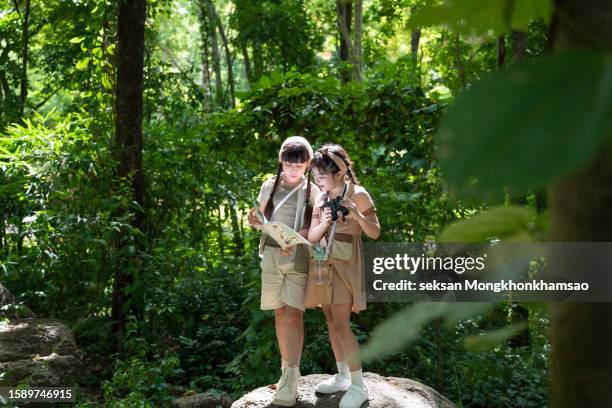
{"x": 356, "y": 49}
{"x": 349, "y": 35}
{"x": 501, "y": 51}
{"x": 228, "y": 55}
{"x": 274, "y": 36}
{"x": 415, "y": 38}
{"x": 581, "y": 211}
{"x": 128, "y": 151}
{"x": 459, "y": 65}
{"x": 204, "y": 38}
{"x": 343, "y": 16}
{"x": 214, "y": 46}
{"x": 518, "y": 40}
{"x": 25, "y": 45}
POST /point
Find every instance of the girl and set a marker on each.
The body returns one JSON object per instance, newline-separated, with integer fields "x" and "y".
{"x": 287, "y": 198}
{"x": 345, "y": 291}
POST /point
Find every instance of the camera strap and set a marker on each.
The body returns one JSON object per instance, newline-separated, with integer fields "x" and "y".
{"x": 284, "y": 200}
{"x": 332, "y": 233}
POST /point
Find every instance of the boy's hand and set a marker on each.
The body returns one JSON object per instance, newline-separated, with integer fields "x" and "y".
{"x": 253, "y": 220}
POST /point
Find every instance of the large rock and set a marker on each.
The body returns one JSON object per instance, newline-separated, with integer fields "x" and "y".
{"x": 385, "y": 392}
{"x": 204, "y": 400}
{"x": 42, "y": 351}
{"x": 10, "y": 307}
{"x": 6, "y": 296}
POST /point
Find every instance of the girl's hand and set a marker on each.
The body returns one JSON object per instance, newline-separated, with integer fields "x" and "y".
{"x": 287, "y": 251}
{"x": 253, "y": 220}
{"x": 326, "y": 216}
{"x": 352, "y": 207}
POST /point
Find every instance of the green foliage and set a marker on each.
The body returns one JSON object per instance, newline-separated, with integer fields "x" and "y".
{"x": 197, "y": 275}
{"x": 403, "y": 327}
{"x": 279, "y": 33}
{"x": 524, "y": 133}
{"x": 498, "y": 222}
{"x": 490, "y": 339}
{"x": 475, "y": 16}
{"x": 500, "y": 376}
{"x": 137, "y": 383}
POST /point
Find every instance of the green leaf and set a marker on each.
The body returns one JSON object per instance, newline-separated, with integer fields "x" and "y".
{"x": 482, "y": 17}
{"x": 264, "y": 82}
{"x": 83, "y": 64}
{"x": 77, "y": 40}
{"x": 501, "y": 221}
{"x": 493, "y": 338}
{"x": 404, "y": 326}
{"x": 529, "y": 125}
{"x": 276, "y": 77}
{"x": 463, "y": 16}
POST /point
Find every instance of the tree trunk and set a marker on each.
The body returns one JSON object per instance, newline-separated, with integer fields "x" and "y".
{"x": 228, "y": 59}
{"x": 24, "y": 58}
{"x": 247, "y": 64}
{"x": 356, "y": 49}
{"x": 581, "y": 211}
{"x": 343, "y": 15}
{"x": 238, "y": 242}
{"x": 501, "y": 51}
{"x": 128, "y": 147}
{"x": 220, "y": 234}
{"x": 258, "y": 62}
{"x": 459, "y": 62}
{"x": 519, "y": 45}
{"x": 212, "y": 32}
{"x": 2, "y": 233}
{"x": 206, "y": 83}
{"x": 415, "y": 39}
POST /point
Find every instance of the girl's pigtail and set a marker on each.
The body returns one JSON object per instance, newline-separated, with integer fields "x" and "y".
{"x": 270, "y": 204}
{"x": 352, "y": 177}
{"x": 308, "y": 215}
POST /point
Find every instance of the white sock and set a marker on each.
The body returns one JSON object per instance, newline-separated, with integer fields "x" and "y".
{"x": 356, "y": 377}
{"x": 343, "y": 369}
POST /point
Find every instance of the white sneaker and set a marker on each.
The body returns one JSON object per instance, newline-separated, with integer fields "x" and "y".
{"x": 333, "y": 384}
{"x": 286, "y": 390}
{"x": 354, "y": 397}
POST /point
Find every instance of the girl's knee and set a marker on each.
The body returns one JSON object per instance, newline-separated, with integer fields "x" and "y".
{"x": 340, "y": 326}
{"x": 327, "y": 314}
{"x": 280, "y": 313}
{"x": 293, "y": 316}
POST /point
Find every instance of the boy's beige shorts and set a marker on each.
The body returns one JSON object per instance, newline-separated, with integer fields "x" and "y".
{"x": 283, "y": 280}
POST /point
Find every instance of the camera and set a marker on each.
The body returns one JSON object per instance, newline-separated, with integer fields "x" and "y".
{"x": 336, "y": 207}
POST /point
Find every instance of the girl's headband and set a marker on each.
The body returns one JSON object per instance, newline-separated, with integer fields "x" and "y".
{"x": 338, "y": 160}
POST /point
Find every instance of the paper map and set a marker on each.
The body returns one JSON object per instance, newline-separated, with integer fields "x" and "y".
{"x": 283, "y": 234}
